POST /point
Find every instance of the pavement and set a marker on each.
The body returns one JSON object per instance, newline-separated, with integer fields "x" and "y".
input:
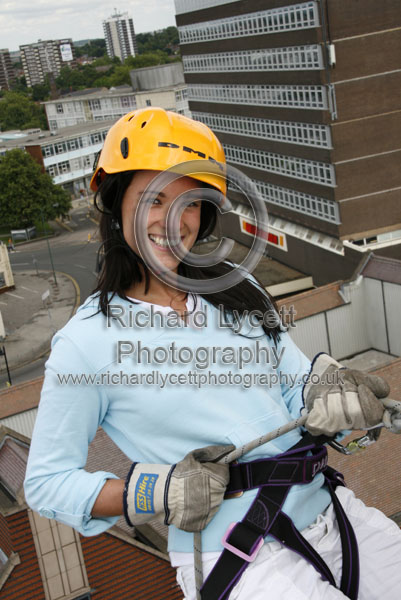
{"x": 38, "y": 307}
{"x": 34, "y": 311}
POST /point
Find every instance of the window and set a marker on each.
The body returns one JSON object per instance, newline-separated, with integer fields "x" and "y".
{"x": 72, "y": 144}
{"x": 126, "y": 101}
{"x": 148, "y": 103}
{"x": 48, "y": 150}
{"x": 321, "y": 208}
{"x": 290, "y": 96}
{"x": 96, "y": 138}
{"x": 94, "y": 104}
{"x": 285, "y": 18}
{"x": 52, "y": 170}
{"x": 288, "y": 166}
{"x": 292, "y": 58}
{"x": 52, "y": 125}
{"x": 60, "y": 147}
{"x": 59, "y": 108}
{"x": 64, "y": 167}
{"x": 307, "y": 134}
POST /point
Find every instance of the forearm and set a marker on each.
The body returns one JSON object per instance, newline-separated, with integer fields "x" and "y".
{"x": 109, "y": 502}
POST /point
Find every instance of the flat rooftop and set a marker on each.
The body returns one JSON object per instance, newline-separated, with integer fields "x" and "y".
{"x": 91, "y": 94}
{"x": 269, "y": 272}
{"x": 45, "y": 137}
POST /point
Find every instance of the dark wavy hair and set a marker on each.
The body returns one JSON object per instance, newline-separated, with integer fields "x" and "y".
{"x": 122, "y": 267}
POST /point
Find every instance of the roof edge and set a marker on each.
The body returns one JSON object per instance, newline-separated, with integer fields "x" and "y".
{"x": 125, "y": 537}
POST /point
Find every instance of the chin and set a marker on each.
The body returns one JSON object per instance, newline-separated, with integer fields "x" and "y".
{"x": 169, "y": 264}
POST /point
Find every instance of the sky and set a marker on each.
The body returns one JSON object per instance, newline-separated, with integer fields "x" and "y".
{"x": 27, "y": 21}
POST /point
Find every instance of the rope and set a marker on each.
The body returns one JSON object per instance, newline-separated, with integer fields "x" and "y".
{"x": 234, "y": 455}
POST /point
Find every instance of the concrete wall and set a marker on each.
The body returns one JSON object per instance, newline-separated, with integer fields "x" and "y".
{"x": 371, "y": 319}
{"x": 161, "y": 76}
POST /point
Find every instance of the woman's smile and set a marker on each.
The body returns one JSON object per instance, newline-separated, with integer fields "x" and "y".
{"x": 157, "y": 216}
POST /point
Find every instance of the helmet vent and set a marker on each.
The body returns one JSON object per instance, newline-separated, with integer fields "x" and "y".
{"x": 143, "y": 124}
{"x": 124, "y": 147}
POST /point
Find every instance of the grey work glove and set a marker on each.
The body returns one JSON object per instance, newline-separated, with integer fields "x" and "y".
{"x": 392, "y": 415}
{"x": 186, "y": 495}
{"x": 337, "y": 398}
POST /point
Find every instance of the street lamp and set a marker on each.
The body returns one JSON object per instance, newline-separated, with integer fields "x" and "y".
{"x": 48, "y": 243}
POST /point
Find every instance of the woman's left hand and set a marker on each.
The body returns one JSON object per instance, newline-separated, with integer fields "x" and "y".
{"x": 337, "y": 398}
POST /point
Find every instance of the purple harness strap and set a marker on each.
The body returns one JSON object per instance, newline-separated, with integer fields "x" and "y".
{"x": 274, "y": 478}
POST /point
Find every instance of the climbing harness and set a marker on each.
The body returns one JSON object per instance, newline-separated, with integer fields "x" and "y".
{"x": 274, "y": 477}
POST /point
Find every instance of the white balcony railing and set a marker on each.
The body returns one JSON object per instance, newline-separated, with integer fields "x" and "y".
{"x": 281, "y": 164}
{"x": 290, "y": 132}
{"x": 292, "y": 58}
{"x": 313, "y": 97}
{"x": 285, "y": 18}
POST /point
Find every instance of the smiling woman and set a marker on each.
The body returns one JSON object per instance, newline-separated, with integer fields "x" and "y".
{"x": 157, "y": 219}
{"x": 178, "y": 395}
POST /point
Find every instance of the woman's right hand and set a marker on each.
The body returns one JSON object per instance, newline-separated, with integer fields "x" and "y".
{"x": 187, "y": 494}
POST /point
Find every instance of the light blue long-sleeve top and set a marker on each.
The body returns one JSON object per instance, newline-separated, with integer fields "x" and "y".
{"x": 154, "y": 425}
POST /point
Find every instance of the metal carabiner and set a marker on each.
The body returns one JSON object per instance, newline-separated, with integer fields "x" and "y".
{"x": 361, "y": 443}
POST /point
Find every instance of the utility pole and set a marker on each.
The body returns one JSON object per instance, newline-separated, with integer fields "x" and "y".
{"x": 3, "y": 353}
{"x": 48, "y": 243}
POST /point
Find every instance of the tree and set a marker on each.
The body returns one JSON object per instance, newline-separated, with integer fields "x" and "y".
{"x": 166, "y": 40}
{"x": 93, "y": 48}
{"x": 40, "y": 92}
{"x": 72, "y": 79}
{"x": 19, "y": 85}
{"x": 148, "y": 59}
{"x": 119, "y": 76}
{"x": 17, "y": 111}
{"x": 26, "y": 193}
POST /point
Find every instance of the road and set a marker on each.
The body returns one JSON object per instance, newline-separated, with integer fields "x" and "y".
{"x": 73, "y": 254}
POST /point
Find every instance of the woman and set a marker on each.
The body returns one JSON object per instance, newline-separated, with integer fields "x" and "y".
{"x": 145, "y": 365}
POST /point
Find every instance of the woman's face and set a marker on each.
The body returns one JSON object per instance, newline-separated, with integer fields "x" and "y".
{"x": 156, "y": 228}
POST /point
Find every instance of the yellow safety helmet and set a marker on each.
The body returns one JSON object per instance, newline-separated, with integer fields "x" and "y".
{"x": 155, "y": 139}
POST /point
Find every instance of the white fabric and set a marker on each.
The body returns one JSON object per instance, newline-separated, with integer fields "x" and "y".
{"x": 193, "y": 304}
{"x": 280, "y": 574}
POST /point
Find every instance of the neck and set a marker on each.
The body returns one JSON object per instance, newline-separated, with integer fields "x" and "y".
{"x": 158, "y": 292}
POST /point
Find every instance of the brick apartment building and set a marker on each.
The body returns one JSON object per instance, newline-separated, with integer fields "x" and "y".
{"x": 305, "y": 98}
